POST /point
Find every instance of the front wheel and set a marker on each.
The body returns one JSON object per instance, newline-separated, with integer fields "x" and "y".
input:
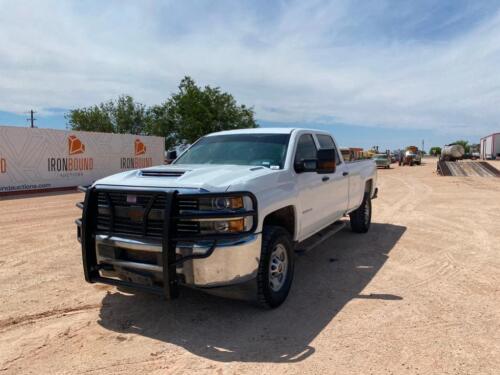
{"x": 275, "y": 275}
{"x": 362, "y": 217}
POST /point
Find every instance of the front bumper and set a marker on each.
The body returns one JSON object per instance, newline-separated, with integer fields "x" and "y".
{"x": 159, "y": 264}
{"x": 230, "y": 262}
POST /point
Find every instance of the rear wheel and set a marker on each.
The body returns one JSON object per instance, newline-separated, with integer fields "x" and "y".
{"x": 275, "y": 274}
{"x": 362, "y": 217}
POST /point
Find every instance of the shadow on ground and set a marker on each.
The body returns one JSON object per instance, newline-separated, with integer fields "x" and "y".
{"x": 223, "y": 330}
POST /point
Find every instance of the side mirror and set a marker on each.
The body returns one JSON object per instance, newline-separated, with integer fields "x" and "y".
{"x": 308, "y": 165}
{"x": 326, "y": 160}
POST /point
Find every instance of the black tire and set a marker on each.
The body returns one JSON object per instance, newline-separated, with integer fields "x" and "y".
{"x": 272, "y": 236}
{"x": 361, "y": 218}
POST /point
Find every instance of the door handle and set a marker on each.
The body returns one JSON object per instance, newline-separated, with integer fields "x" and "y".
{"x": 325, "y": 178}
{"x": 345, "y": 173}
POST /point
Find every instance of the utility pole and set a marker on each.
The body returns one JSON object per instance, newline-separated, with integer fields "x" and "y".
{"x": 31, "y": 119}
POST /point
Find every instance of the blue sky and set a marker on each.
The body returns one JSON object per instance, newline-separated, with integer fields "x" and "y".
{"x": 387, "y": 73}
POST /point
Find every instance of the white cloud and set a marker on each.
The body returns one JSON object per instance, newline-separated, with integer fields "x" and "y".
{"x": 297, "y": 62}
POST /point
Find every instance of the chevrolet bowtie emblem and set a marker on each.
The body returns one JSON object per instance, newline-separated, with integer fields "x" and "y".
{"x": 135, "y": 213}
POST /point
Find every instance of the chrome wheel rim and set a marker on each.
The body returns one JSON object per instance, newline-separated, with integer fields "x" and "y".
{"x": 278, "y": 267}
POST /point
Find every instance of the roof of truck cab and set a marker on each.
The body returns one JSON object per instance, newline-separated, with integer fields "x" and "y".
{"x": 263, "y": 131}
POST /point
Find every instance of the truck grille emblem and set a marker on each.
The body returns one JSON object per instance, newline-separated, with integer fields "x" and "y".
{"x": 135, "y": 213}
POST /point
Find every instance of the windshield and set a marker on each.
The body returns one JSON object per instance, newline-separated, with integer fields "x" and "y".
{"x": 268, "y": 150}
{"x": 382, "y": 156}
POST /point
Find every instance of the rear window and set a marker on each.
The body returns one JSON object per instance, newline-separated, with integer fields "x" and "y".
{"x": 325, "y": 141}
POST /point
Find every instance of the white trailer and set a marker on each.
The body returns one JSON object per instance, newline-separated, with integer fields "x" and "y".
{"x": 490, "y": 146}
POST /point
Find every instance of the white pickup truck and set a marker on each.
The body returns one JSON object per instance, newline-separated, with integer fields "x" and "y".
{"x": 227, "y": 216}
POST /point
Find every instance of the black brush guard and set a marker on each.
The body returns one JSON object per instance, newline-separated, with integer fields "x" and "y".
{"x": 87, "y": 227}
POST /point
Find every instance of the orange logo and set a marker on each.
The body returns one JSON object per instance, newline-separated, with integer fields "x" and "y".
{"x": 140, "y": 148}
{"x": 75, "y": 146}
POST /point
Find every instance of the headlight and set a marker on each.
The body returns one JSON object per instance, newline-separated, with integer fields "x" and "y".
{"x": 212, "y": 214}
{"x": 224, "y": 203}
{"x": 220, "y": 203}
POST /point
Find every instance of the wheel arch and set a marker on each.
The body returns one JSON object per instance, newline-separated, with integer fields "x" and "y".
{"x": 284, "y": 217}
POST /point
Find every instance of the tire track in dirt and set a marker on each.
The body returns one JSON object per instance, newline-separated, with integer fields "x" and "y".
{"x": 420, "y": 193}
{"x": 32, "y": 318}
{"x": 389, "y": 207}
{"x": 440, "y": 264}
{"x": 411, "y": 199}
{"x": 443, "y": 264}
{"x": 6, "y": 365}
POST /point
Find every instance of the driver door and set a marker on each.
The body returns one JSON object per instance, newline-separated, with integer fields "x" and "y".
{"x": 309, "y": 185}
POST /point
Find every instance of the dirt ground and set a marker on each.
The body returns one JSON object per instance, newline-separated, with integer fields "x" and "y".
{"x": 418, "y": 294}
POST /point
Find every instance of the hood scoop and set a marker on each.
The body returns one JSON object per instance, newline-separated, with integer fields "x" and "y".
{"x": 161, "y": 173}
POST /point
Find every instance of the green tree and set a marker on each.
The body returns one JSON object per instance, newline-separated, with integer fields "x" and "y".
{"x": 129, "y": 117}
{"x": 186, "y": 116}
{"x": 160, "y": 122}
{"x": 436, "y": 151}
{"x": 465, "y": 145}
{"x": 193, "y": 112}
{"x": 94, "y": 118}
{"x": 120, "y": 116}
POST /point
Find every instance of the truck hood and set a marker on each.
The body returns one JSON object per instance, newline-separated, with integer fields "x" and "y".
{"x": 213, "y": 178}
